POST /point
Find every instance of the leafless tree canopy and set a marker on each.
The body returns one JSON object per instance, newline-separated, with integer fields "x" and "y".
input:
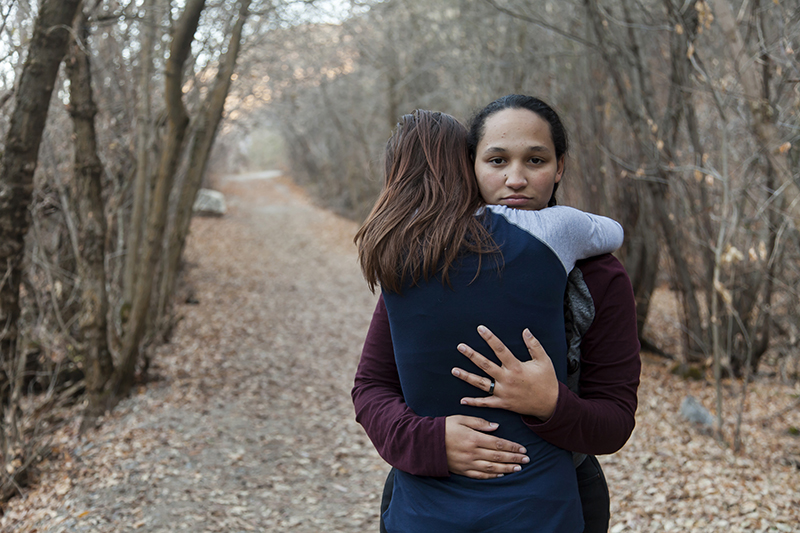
{"x": 684, "y": 122}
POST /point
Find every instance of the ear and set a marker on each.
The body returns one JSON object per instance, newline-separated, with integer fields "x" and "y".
{"x": 560, "y": 170}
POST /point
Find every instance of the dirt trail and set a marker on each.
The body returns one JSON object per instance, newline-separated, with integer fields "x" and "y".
{"x": 251, "y": 426}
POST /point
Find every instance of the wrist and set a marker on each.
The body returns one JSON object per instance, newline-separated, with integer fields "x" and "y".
{"x": 545, "y": 410}
{"x": 550, "y": 406}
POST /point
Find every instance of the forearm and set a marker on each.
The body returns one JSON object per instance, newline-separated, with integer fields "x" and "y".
{"x": 592, "y": 426}
{"x": 405, "y": 440}
{"x": 602, "y": 418}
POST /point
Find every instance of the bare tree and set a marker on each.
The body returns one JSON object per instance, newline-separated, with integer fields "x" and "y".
{"x": 90, "y": 213}
{"x": 177, "y": 122}
{"x": 143, "y": 134}
{"x": 31, "y": 102}
{"x": 206, "y": 124}
{"x": 655, "y": 135}
{"x": 648, "y": 85}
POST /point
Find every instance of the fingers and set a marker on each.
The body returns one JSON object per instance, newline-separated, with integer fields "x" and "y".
{"x": 496, "y": 345}
{"x": 487, "y": 463}
{"x": 475, "y": 380}
{"x": 479, "y": 360}
{"x": 535, "y": 348}
{"x": 503, "y": 354}
{"x": 475, "y": 454}
{"x": 489, "y": 470}
{"x": 473, "y": 422}
{"x": 486, "y": 401}
{"x": 479, "y": 440}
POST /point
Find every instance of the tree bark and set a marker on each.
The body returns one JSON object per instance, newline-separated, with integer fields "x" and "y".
{"x": 207, "y": 123}
{"x": 655, "y": 143}
{"x": 641, "y": 249}
{"x": 695, "y": 334}
{"x": 88, "y": 203}
{"x": 177, "y": 122}
{"x": 754, "y": 80}
{"x": 26, "y": 124}
{"x": 143, "y": 131}
{"x": 763, "y": 124}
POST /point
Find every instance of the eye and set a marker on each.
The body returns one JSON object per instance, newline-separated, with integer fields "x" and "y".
{"x": 536, "y": 160}
{"x": 496, "y": 161}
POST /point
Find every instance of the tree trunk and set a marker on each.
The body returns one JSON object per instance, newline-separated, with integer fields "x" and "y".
{"x": 143, "y": 131}
{"x": 763, "y": 125}
{"x": 177, "y": 122}
{"x": 695, "y": 332}
{"x": 205, "y": 132}
{"x": 636, "y": 93}
{"x": 88, "y": 202}
{"x": 32, "y": 99}
{"x": 755, "y": 85}
{"x": 26, "y": 124}
{"x": 641, "y": 251}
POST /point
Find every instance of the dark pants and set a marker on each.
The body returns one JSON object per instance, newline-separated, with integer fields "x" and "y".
{"x": 592, "y": 487}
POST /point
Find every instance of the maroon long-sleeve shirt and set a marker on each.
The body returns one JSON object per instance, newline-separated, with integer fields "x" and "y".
{"x": 599, "y": 421}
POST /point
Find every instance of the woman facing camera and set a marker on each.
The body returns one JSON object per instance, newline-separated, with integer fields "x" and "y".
{"x": 447, "y": 263}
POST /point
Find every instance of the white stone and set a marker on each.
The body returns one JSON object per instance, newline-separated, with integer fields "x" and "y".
{"x": 209, "y": 203}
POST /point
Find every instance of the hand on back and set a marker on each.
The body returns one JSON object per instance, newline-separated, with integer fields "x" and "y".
{"x": 528, "y": 388}
{"x": 474, "y": 453}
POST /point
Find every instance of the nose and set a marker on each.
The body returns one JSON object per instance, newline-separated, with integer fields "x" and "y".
{"x": 515, "y": 179}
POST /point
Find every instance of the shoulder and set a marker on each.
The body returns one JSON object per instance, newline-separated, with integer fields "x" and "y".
{"x": 601, "y": 265}
{"x": 605, "y": 277}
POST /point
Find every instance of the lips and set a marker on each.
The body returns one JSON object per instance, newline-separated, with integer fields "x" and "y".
{"x": 515, "y": 201}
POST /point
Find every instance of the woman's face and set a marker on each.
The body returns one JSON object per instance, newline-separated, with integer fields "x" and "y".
{"x": 515, "y": 161}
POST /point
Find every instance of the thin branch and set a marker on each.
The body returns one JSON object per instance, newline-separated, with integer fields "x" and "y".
{"x": 5, "y": 16}
{"x": 541, "y": 24}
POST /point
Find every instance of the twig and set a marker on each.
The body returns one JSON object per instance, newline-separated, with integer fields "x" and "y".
{"x": 58, "y": 400}
{"x": 542, "y": 24}
{"x": 776, "y": 414}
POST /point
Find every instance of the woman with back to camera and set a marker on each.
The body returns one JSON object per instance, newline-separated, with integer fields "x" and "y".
{"x": 599, "y": 421}
{"x": 442, "y": 262}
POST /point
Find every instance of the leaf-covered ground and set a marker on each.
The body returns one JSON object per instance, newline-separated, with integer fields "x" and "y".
{"x": 250, "y": 425}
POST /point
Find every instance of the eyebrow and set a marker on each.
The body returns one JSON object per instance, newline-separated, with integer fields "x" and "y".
{"x": 500, "y": 149}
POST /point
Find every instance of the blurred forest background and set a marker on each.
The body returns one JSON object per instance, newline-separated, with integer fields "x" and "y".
{"x": 684, "y": 118}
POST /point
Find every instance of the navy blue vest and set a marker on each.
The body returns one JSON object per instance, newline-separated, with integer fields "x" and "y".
{"x": 428, "y": 321}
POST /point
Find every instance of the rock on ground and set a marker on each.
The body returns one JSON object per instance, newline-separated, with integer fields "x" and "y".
{"x": 209, "y": 203}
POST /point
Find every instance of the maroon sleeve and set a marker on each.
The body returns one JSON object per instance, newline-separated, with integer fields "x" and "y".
{"x": 602, "y": 418}
{"x": 408, "y": 442}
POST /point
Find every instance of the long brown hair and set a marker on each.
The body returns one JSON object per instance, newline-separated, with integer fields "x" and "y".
{"x": 425, "y": 216}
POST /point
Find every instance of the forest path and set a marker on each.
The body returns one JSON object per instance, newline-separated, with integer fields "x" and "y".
{"x": 250, "y": 427}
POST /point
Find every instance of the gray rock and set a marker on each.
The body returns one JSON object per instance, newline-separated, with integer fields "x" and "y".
{"x": 209, "y": 203}
{"x": 694, "y": 412}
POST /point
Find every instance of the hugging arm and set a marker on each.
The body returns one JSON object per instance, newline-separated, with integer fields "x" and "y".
{"x": 601, "y": 419}
{"x": 412, "y": 443}
{"x": 571, "y": 234}
{"x": 598, "y": 422}
{"x": 422, "y": 446}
